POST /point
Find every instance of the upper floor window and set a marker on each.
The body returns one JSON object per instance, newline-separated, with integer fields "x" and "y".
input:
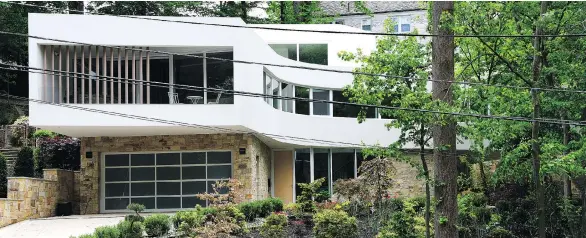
{"x": 308, "y": 53}
{"x": 402, "y": 24}
{"x": 367, "y": 24}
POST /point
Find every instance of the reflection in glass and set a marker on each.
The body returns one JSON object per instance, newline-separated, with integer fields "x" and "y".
{"x": 313, "y": 53}
{"x": 321, "y": 167}
{"x": 288, "y": 51}
{"x": 287, "y": 91}
{"x": 301, "y": 107}
{"x": 321, "y": 108}
{"x": 275, "y": 92}
{"x": 267, "y": 89}
{"x": 342, "y": 164}
{"x": 360, "y": 159}
{"x": 302, "y": 168}
{"x": 220, "y": 75}
{"x": 188, "y": 71}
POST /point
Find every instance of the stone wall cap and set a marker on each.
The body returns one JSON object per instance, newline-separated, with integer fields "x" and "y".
{"x": 29, "y": 178}
{"x": 60, "y": 170}
{"x": 11, "y": 200}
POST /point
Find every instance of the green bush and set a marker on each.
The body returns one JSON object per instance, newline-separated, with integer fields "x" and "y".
{"x": 274, "y": 226}
{"x": 21, "y": 132}
{"x": 308, "y": 191}
{"x": 107, "y": 232}
{"x": 500, "y": 233}
{"x": 44, "y": 134}
{"x": 260, "y": 208}
{"x": 130, "y": 229}
{"x": 187, "y": 221}
{"x": 3, "y": 175}
{"x": 134, "y": 218}
{"x": 157, "y": 225}
{"x": 87, "y": 236}
{"x": 24, "y": 166}
{"x": 401, "y": 225}
{"x": 332, "y": 224}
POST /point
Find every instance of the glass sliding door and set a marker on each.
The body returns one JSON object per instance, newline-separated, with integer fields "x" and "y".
{"x": 189, "y": 71}
{"x": 220, "y": 75}
{"x": 342, "y": 164}
{"x": 321, "y": 165}
{"x": 301, "y": 106}
{"x": 302, "y": 168}
{"x": 159, "y": 72}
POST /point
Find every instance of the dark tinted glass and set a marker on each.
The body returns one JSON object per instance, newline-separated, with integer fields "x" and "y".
{"x": 116, "y": 160}
{"x": 194, "y": 158}
{"x": 302, "y": 168}
{"x": 116, "y": 203}
{"x": 190, "y": 202}
{"x": 195, "y": 187}
{"x": 142, "y": 159}
{"x": 194, "y": 172}
{"x": 117, "y": 190}
{"x": 219, "y": 172}
{"x": 168, "y": 202}
{"x": 313, "y": 53}
{"x": 321, "y": 167}
{"x": 168, "y": 173}
{"x": 342, "y": 164}
{"x": 149, "y": 203}
{"x": 219, "y": 157}
{"x": 168, "y": 159}
{"x": 168, "y": 188}
{"x": 143, "y": 189}
{"x": 301, "y": 106}
{"x": 142, "y": 174}
{"x": 116, "y": 174}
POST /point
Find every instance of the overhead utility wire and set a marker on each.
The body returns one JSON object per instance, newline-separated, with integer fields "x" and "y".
{"x": 297, "y": 67}
{"x": 301, "y": 30}
{"x": 250, "y": 94}
{"x": 184, "y": 124}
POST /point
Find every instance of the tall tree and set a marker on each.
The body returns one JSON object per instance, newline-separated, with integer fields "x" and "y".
{"x": 444, "y": 135}
{"x": 407, "y": 58}
{"x": 295, "y": 12}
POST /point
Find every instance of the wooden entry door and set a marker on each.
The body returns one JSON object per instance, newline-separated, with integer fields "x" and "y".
{"x": 283, "y": 172}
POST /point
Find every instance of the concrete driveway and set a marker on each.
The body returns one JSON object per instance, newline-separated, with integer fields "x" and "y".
{"x": 59, "y": 227}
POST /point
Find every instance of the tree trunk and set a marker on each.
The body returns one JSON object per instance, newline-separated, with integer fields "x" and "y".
{"x": 444, "y": 134}
{"x": 535, "y": 148}
{"x": 282, "y": 15}
{"x": 567, "y": 181}
{"x": 426, "y": 175}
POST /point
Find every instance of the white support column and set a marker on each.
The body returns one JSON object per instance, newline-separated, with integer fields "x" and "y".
{"x": 355, "y": 164}
{"x": 331, "y": 105}
{"x": 294, "y": 182}
{"x": 330, "y": 172}
{"x": 171, "y": 76}
{"x": 293, "y": 104}
{"x": 205, "y": 79}
{"x": 311, "y": 165}
{"x": 310, "y": 102}
{"x": 280, "y": 85}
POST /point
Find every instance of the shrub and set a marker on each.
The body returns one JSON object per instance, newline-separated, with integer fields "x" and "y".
{"x": 130, "y": 229}
{"x": 500, "y": 233}
{"x": 260, "y": 208}
{"x": 24, "y": 165}
{"x": 59, "y": 153}
{"x": 40, "y": 134}
{"x": 332, "y": 223}
{"x": 274, "y": 226}
{"x": 21, "y": 132}
{"x": 186, "y": 221}
{"x": 3, "y": 175}
{"x": 136, "y": 217}
{"x": 107, "y": 232}
{"x": 401, "y": 225}
{"x": 87, "y": 236}
{"x": 157, "y": 225}
{"x": 308, "y": 191}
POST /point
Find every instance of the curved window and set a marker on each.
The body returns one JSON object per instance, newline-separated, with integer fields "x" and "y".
{"x": 301, "y": 106}
{"x": 308, "y": 53}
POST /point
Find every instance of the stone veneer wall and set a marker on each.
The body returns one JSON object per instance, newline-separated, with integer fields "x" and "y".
{"x": 243, "y": 166}
{"x": 260, "y": 168}
{"x": 34, "y": 197}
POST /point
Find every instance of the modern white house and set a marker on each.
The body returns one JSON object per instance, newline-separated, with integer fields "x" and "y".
{"x": 267, "y": 144}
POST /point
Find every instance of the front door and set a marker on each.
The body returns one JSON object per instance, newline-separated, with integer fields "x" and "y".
{"x": 283, "y": 172}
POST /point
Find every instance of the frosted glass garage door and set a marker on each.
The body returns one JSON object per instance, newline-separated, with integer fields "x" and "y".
{"x": 162, "y": 181}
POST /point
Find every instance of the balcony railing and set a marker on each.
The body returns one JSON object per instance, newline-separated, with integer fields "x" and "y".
{"x": 133, "y": 75}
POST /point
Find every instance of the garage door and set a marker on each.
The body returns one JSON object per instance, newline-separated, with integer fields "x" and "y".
{"x": 161, "y": 181}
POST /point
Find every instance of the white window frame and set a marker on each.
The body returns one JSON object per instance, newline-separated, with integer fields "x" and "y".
{"x": 402, "y": 19}
{"x": 102, "y": 198}
{"x": 368, "y": 21}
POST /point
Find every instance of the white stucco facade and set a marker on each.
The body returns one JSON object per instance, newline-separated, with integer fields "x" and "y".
{"x": 277, "y": 128}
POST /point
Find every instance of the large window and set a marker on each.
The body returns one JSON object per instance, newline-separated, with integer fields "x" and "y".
{"x": 301, "y": 106}
{"x": 287, "y": 91}
{"x": 313, "y": 53}
{"x": 308, "y": 53}
{"x": 220, "y": 75}
{"x": 188, "y": 71}
{"x": 302, "y": 168}
{"x": 167, "y": 180}
{"x": 275, "y": 92}
{"x": 367, "y": 24}
{"x": 342, "y": 164}
{"x": 321, "y": 165}
{"x": 402, "y": 24}
{"x": 321, "y": 108}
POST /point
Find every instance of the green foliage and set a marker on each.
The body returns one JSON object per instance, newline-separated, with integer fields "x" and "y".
{"x": 401, "y": 225}
{"x": 308, "y": 191}
{"x": 304, "y": 12}
{"x": 59, "y": 153}
{"x": 188, "y": 221}
{"x": 9, "y": 113}
{"x": 87, "y": 236}
{"x": 260, "y": 208}
{"x": 24, "y": 165}
{"x": 274, "y": 226}
{"x": 107, "y": 232}
{"x": 136, "y": 207}
{"x": 130, "y": 229}
{"x": 134, "y": 218}
{"x": 334, "y": 224}
{"x": 39, "y": 134}
{"x": 157, "y": 225}
{"x": 3, "y": 175}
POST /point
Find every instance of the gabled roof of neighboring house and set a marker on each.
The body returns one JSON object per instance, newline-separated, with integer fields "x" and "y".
{"x": 347, "y": 8}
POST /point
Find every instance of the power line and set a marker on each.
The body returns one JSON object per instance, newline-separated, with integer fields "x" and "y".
{"x": 184, "y": 124}
{"x": 303, "y": 30}
{"x": 251, "y": 94}
{"x": 297, "y": 67}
